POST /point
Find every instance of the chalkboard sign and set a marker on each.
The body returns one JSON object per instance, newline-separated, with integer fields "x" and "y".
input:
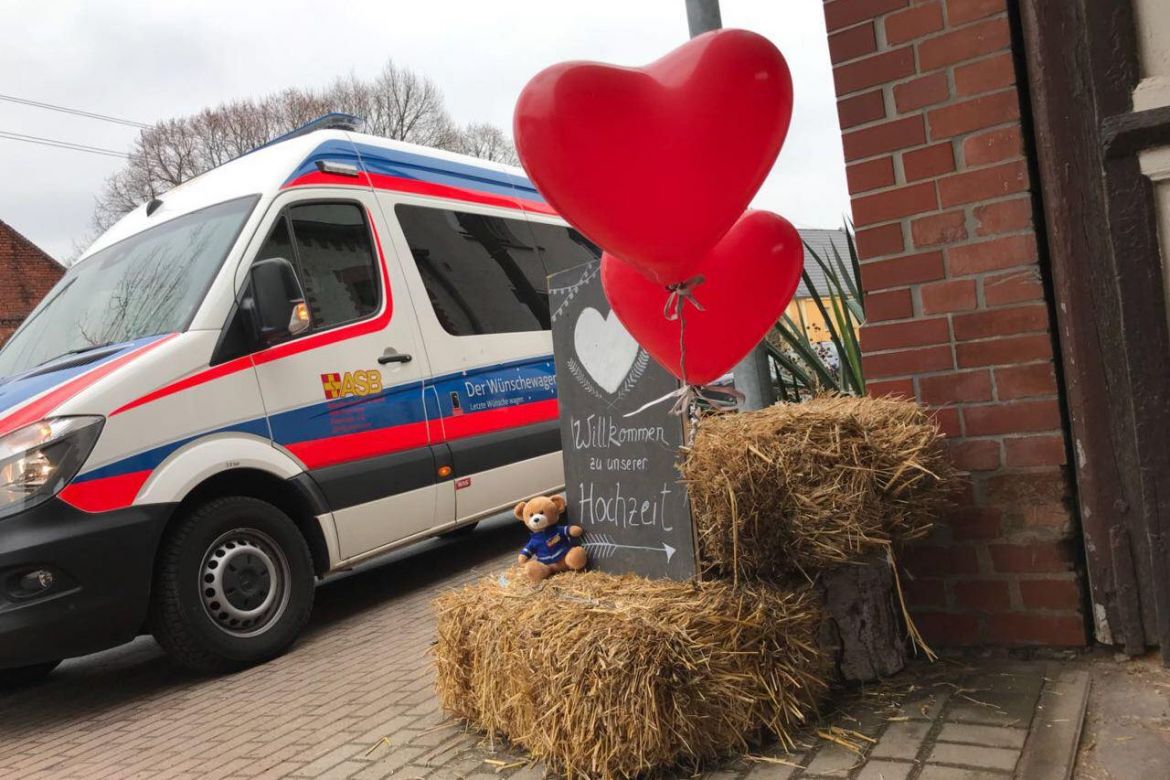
{"x": 620, "y": 476}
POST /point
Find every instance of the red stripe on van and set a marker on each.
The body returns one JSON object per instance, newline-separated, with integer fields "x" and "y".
{"x": 474, "y": 423}
{"x": 41, "y": 407}
{"x": 107, "y": 494}
{"x": 416, "y": 187}
{"x": 318, "y": 453}
{"x": 284, "y": 350}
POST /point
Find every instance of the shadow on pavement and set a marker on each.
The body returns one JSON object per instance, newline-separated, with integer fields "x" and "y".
{"x": 83, "y": 688}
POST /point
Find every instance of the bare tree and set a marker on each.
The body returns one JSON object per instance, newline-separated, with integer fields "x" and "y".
{"x": 398, "y": 103}
{"x": 486, "y": 141}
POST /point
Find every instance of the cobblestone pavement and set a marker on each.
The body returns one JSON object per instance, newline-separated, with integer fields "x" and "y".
{"x": 354, "y": 698}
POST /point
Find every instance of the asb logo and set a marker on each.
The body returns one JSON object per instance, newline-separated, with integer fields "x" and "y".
{"x": 338, "y": 385}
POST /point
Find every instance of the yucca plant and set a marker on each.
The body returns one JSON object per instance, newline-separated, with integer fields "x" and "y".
{"x": 801, "y": 366}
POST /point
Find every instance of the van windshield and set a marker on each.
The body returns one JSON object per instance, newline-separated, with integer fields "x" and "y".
{"x": 148, "y": 284}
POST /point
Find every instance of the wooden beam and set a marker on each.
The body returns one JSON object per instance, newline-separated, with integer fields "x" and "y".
{"x": 1105, "y": 273}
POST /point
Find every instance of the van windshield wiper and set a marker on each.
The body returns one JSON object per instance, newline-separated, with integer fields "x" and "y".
{"x": 78, "y": 351}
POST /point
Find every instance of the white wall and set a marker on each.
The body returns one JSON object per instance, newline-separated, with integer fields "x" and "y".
{"x": 1153, "y": 22}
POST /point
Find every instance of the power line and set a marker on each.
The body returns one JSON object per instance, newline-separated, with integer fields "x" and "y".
{"x": 74, "y": 111}
{"x": 35, "y": 139}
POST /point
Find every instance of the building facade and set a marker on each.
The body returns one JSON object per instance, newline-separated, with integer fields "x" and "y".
{"x": 26, "y": 274}
{"x": 1008, "y": 236}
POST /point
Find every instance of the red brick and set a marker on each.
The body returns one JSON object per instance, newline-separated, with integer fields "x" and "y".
{"x": 918, "y": 93}
{"x": 843, "y": 13}
{"x": 948, "y": 296}
{"x": 994, "y": 146}
{"x": 983, "y": 184}
{"x": 1015, "y": 417}
{"x": 963, "y": 11}
{"x": 985, "y": 75}
{"x": 1013, "y": 287}
{"x": 901, "y": 271}
{"x": 878, "y": 69}
{"x": 907, "y": 362}
{"x": 852, "y": 43}
{"x": 1006, "y": 216}
{"x": 928, "y": 162}
{"x": 974, "y": 454}
{"x": 936, "y": 229}
{"x": 1030, "y": 318}
{"x": 889, "y": 305}
{"x": 983, "y": 596}
{"x": 975, "y": 114}
{"x": 1050, "y": 518}
{"x": 963, "y": 387}
{"x": 917, "y": 21}
{"x": 883, "y": 138}
{"x": 925, "y": 592}
{"x": 1050, "y": 594}
{"x": 1004, "y": 352}
{"x": 946, "y": 628}
{"x": 878, "y": 241}
{"x": 930, "y": 560}
{"x": 896, "y": 387}
{"x": 1013, "y": 628}
{"x": 895, "y": 204}
{"x": 1015, "y": 382}
{"x": 1016, "y": 490}
{"x": 1006, "y": 252}
{"x": 1034, "y": 451}
{"x": 26, "y": 275}
{"x": 898, "y": 335}
{"x": 1032, "y": 558}
{"x": 966, "y": 43}
{"x": 860, "y": 109}
{"x": 870, "y": 175}
{"x": 975, "y": 522}
{"x": 947, "y": 419}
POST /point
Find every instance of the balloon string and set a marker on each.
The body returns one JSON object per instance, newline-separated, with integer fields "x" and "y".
{"x": 687, "y": 397}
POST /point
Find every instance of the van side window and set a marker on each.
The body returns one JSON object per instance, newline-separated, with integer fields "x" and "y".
{"x": 482, "y": 274}
{"x": 335, "y": 261}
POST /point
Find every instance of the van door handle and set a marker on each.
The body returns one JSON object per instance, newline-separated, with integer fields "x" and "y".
{"x": 391, "y": 356}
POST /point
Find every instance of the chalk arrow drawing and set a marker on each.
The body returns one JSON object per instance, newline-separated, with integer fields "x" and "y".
{"x": 604, "y": 547}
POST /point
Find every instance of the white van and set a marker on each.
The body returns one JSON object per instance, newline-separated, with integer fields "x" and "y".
{"x": 326, "y": 349}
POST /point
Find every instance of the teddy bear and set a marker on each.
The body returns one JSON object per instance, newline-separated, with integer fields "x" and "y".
{"x": 551, "y": 548}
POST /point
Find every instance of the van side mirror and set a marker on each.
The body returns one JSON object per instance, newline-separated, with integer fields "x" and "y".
{"x": 279, "y": 302}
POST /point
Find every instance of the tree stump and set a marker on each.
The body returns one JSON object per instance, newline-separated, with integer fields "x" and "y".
{"x": 863, "y": 626}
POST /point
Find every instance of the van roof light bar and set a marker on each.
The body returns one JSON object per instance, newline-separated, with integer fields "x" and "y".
{"x": 334, "y": 121}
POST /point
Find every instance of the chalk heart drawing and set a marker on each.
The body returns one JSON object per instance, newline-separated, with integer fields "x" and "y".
{"x": 604, "y": 347}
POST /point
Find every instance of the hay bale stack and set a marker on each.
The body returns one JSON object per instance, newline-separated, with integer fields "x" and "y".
{"x": 804, "y": 487}
{"x": 612, "y": 676}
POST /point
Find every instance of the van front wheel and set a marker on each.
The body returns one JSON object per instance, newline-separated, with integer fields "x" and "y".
{"x": 233, "y": 586}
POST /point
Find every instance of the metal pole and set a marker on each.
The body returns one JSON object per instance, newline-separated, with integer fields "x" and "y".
{"x": 703, "y": 16}
{"x": 752, "y": 376}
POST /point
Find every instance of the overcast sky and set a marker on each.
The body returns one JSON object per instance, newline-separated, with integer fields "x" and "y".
{"x": 153, "y": 60}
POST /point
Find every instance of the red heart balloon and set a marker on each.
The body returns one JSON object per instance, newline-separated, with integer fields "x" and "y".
{"x": 749, "y": 278}
{"x": 655, "y": 164}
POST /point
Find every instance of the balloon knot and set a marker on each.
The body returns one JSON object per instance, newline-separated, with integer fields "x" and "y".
{"x": 680, "y": 293}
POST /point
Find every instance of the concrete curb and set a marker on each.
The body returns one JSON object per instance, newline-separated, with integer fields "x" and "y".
{"x": 1050, "y": 752}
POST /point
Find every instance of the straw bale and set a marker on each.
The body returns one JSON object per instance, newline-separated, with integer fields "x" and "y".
{"x": 804, "y": 487}
{"x": 613, "y": 676}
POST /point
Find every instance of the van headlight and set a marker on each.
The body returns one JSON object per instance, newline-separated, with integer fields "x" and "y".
{"x": 36, "y": 461}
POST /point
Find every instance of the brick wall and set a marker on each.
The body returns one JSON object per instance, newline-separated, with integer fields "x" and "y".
{"x": 957, "y": 314}
{"x": 26, "y": 274}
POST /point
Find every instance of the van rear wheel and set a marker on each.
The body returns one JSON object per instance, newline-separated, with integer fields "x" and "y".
{"x": 233, "y": 586}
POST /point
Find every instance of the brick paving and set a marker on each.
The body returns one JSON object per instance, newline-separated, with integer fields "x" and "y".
{"x": 354, "y": 699}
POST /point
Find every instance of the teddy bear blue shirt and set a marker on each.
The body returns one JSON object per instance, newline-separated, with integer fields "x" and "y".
{"x": 549, "y": 545}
